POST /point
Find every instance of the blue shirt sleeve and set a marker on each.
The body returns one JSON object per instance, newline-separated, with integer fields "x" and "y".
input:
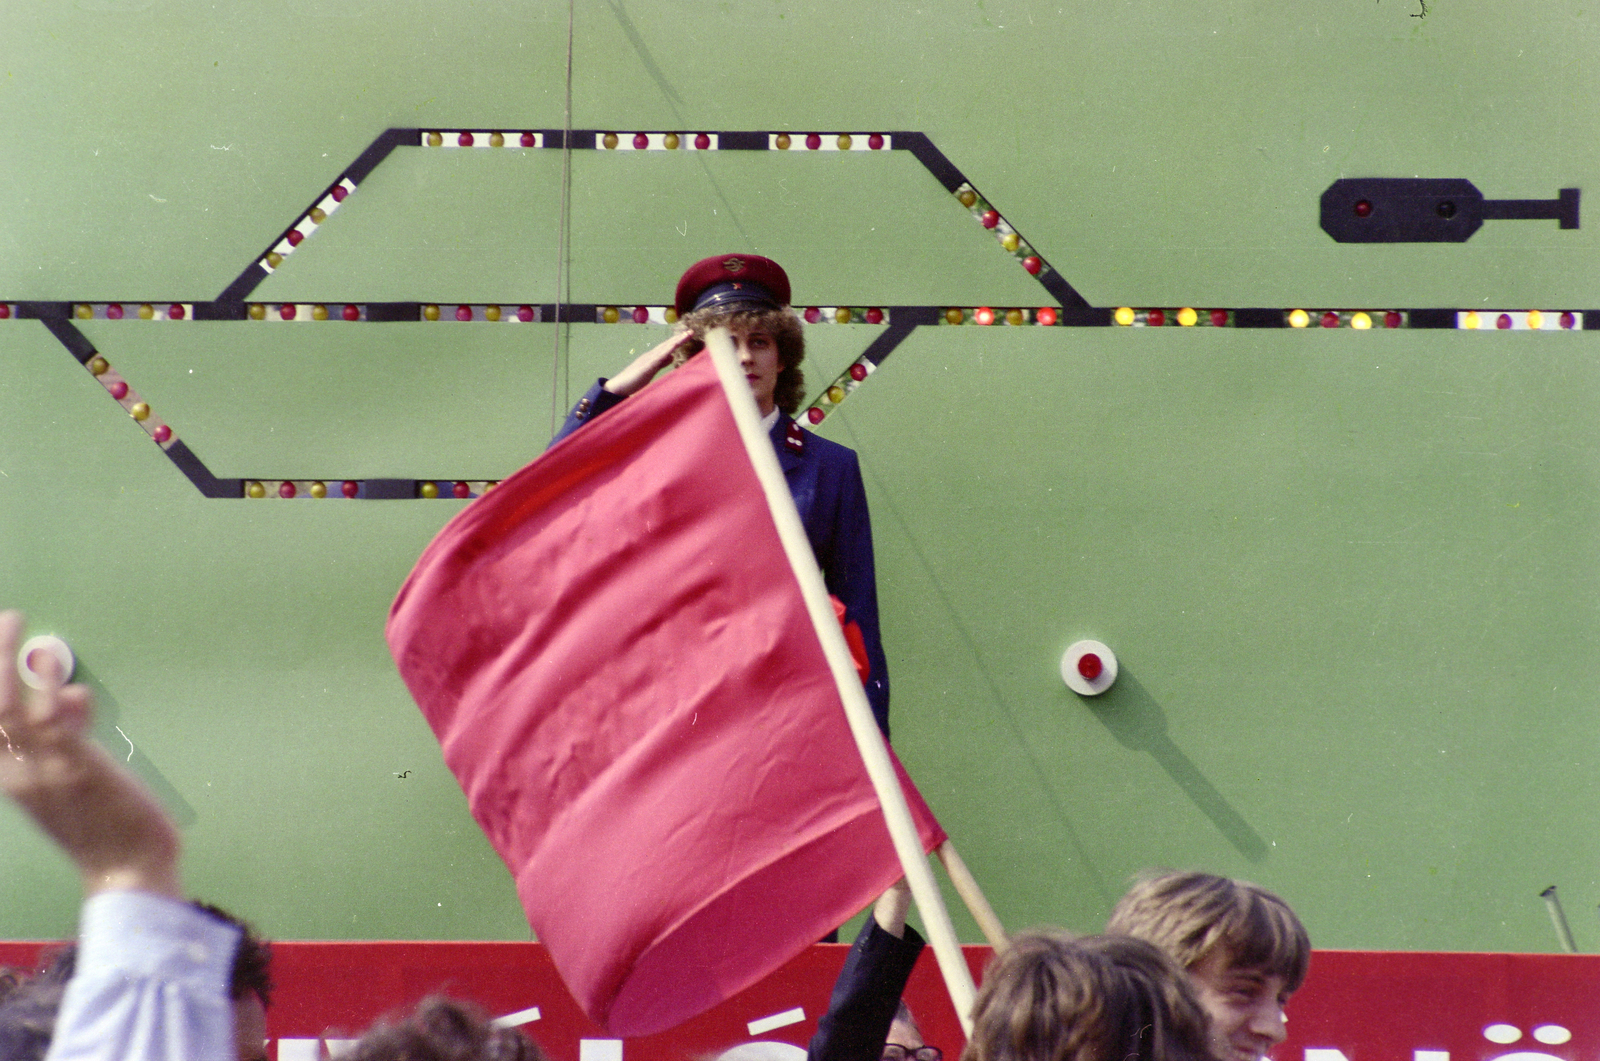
{"x": 151, "y": 983}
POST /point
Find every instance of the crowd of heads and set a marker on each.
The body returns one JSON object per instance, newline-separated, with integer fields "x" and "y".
{"x": 438, "y": 1029}
{"x": 442, "y": 1029}
{"x": 1137, "y": 993}
{"x": 1193, "y": 967}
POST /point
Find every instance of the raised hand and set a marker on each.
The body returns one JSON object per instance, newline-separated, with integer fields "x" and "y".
{"x": 107, "y": 822}
{"x": 643, "y": 369}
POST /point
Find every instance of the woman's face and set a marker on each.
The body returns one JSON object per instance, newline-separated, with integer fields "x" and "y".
{"x": 758, "y": 356}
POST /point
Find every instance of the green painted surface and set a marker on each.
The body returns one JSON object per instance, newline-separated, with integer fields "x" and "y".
{"x": 1350, "y": 576}
{"x": 1349, "y": 584}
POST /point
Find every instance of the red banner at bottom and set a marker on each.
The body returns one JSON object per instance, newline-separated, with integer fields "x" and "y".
{"x": 1355, "y": 1006}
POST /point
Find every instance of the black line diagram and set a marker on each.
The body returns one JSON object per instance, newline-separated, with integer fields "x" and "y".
{"x": 1064, "y": 305}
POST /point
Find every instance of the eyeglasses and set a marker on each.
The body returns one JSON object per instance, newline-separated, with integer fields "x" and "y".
{"x": 896, "y": 1052}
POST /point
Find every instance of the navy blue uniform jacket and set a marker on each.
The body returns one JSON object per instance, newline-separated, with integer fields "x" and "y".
{"x": 825, "y": 479}
{"x": 866, "y": 996}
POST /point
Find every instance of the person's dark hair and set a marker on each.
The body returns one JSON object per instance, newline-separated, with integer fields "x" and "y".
{"x": 903, "y": 1015}
{"x": 442, "y": 1029}
{"x": 1193, "y": 915}
{"x": 252, "y": 962}
{"x": 10, "y": 980}
{"x": 28, "y": 1011}
{"x": 1048, "y": 996}
{"x": 786, "y": 331}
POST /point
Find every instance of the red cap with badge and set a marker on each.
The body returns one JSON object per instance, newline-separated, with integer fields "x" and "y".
{"x": 733, "y": 281}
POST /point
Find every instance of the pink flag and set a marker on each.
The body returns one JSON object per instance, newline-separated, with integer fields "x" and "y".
{"x": 615, "y": 657}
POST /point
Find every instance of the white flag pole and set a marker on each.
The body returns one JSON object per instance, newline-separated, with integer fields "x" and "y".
{"x": 874, "y": 752}
{"x": 967, "y": 887}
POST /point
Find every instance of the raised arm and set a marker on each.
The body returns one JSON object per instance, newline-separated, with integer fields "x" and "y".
{"x": 643, "y": 369}
{"x": 867, "y": 993}
{"x": 151, "y": 982}
{"x": 102, "y": 817}
{"x": 608, "y": 392}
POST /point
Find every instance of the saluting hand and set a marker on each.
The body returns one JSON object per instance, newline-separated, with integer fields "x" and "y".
{"x": 643, "y": 368}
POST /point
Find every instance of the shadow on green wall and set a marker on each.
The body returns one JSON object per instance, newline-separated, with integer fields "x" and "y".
{"x": 1139, "y": 724}
{"x": 109, "y": 733}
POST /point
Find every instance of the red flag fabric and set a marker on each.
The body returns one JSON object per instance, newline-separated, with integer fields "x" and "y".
{"x": 615, "y": 657}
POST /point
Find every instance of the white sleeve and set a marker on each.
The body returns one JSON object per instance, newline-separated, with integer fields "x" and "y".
{"x": 151, "y": 983}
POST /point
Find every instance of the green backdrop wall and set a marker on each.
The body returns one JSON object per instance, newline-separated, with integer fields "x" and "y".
{"x": 1350, "y": 575}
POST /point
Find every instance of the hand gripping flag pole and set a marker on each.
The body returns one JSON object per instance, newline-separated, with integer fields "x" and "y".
{"x": 874, "y": 751}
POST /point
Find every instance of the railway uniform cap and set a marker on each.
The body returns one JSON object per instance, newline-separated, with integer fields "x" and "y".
{"x": 733, "y": 280}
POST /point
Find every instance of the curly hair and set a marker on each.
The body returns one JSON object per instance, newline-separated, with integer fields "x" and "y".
{"x": 786, "y": 331}
{"x": 28, "y": 1011}
{"x": 1048, "y": 996}
{"x": 252, "y": 961}
{"x": 10, "y": 980}
{"x": 443, "y": 1029}
{"x": 1193, "y": 915}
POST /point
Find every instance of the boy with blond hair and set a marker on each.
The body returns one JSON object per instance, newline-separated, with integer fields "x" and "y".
{"x": 1244, "y": 949}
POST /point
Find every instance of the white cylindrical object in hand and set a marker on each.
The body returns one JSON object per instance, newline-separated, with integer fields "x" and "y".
{"x": 44, "y": 643}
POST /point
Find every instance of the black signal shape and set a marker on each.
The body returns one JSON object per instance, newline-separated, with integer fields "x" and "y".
{"x": 1427, "y": 210}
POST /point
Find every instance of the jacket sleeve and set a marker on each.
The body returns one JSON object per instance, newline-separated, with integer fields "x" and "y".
{"x": 851, "y": 576}
{"x": 866, "y": 996}
{"x": 595, "y": 401}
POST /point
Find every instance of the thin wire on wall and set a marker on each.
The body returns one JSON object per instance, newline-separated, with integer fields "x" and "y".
{"x": 558, "y": 397}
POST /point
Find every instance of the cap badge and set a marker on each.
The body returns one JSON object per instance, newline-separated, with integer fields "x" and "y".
{"x": 733, "y": 265}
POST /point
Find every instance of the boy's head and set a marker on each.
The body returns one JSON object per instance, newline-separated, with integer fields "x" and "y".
{"x": 905, "y": 1034}
{"x": 1244, "y": 949}
{"x": 1050, "y": 997}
